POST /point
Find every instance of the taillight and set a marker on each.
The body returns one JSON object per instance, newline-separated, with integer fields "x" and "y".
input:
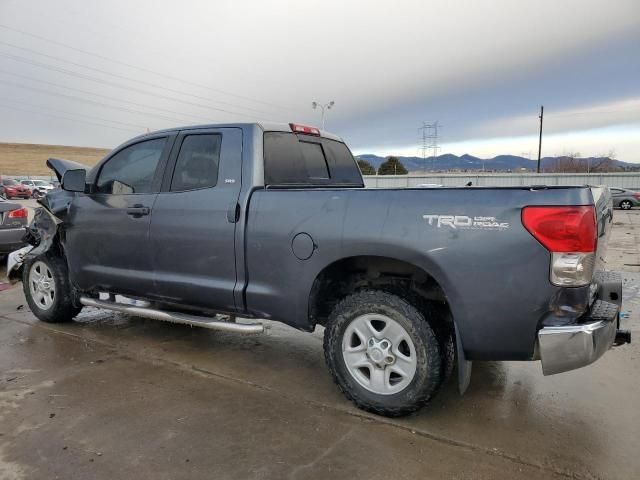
{"x": 636, "y": 195}
{"x": 570, "y": 234}
{"x": 19, "y": 213}
{"x": 295, "y": 128}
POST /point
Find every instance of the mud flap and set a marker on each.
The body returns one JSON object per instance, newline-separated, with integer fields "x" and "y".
{"x": 464, "y": 365}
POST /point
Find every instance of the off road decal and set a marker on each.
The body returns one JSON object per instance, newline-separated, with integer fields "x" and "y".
{"x": 464, "y": 222}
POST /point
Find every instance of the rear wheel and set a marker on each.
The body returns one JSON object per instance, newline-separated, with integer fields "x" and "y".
{"x": 625, "y": 205}
{"x": 382, "y": 353}
{"x": 47, "y": 288}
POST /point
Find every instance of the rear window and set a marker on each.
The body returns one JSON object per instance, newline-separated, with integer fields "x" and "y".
{"x": 292, "y": 159}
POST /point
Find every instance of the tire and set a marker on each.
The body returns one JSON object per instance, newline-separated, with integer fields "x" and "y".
{"x": 625, "y": 205}
{"x": 53, "y": 301}
{"x": 378, "y": 387}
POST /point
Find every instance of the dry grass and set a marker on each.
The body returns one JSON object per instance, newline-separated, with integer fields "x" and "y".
{"x": 30, "y": 159}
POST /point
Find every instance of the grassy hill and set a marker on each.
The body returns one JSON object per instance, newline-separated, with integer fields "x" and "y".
{"x": 29, "y": 159}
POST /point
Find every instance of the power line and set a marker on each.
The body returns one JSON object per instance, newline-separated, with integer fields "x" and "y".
{"x": 58, "y": 85}
{"x": 123, "y": 77}
{"x": 137, "y": 67}
{"x": 594, "y": 112}
{"x": 38, "y": 108}
{"x": 86, "y": 100}
{"x": 114, "y": 84}
{"x": 39, "y": 112}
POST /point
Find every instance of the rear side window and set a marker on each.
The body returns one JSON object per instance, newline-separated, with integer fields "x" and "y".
{"x": 197, "y": 163}
{"x": 292, "y": 159}
{"x": 132, "y": 169}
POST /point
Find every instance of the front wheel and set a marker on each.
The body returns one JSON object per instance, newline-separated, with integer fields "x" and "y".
{"x": 382, "y": 353}
{"x": 625, "y": 205}
{"x": 46, "y": 286}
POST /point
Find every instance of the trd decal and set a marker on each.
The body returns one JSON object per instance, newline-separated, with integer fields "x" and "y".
{"x": 464, "y": 222}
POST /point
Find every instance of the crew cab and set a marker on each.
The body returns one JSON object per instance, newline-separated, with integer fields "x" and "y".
{"x": 273, "y": 221}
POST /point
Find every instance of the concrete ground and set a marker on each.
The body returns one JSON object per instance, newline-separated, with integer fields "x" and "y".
{"x": 111, "y": 396}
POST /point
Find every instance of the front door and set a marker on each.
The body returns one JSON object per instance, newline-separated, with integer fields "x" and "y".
{"x": 194, "y": 220}
{"x": 107, "y": 237}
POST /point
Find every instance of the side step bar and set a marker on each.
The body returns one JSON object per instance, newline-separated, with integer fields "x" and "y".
{"x": 174, "y": 317}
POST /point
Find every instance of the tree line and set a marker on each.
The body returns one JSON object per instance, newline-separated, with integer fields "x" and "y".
{"x": 391, "y": 166}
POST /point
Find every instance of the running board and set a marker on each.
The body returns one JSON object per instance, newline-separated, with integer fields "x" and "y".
{"x": 174, "y": 317}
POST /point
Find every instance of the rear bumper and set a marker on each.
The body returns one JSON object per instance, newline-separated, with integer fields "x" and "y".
{"x": 567, "y": 347}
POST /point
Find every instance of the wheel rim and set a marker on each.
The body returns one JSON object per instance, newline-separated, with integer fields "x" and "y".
{"x": 42, "y": 285}
{"x": 626, "y": 205}
{"x": 379, "y": 354}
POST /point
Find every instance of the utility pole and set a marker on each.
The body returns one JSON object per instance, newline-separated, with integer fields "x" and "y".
{"x": 540, "y": 139}
{"x": 429, "y": 142}
{"x": 425, "y": 146}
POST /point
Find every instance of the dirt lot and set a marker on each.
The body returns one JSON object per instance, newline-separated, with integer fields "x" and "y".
{"x": 30, "y": 159}
{"x": 111, "y": 396}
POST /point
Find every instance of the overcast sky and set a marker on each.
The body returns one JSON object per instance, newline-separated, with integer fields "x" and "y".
{"x": 85, "y": 73}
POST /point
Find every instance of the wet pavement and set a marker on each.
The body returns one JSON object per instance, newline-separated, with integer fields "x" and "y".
{"x": 111, "y": 396}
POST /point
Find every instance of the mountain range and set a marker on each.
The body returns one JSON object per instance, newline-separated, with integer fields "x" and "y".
{"x": 502, "y": 163}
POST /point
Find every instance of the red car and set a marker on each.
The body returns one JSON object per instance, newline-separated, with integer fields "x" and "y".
{"x": 12, "y": 189}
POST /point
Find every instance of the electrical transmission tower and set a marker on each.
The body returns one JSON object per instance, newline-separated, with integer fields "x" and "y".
{"x": 429, "y": 139}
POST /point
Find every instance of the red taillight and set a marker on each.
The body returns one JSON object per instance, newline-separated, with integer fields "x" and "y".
{"x": 636, "y": 195}
{"x": 562, "y": 229}
{"x": 19, "y": 213}
{"x": 295, "y": 128}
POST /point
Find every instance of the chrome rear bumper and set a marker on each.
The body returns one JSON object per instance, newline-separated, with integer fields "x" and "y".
{"x": 574, "y": 346}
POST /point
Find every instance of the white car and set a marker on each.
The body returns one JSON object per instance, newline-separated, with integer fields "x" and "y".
{"x": 38, "y": 187}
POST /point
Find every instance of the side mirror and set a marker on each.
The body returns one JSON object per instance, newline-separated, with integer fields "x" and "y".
{"x": 74, "y": 180}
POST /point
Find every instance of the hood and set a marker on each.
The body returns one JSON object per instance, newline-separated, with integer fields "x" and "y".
{"x": 59, "y": 166}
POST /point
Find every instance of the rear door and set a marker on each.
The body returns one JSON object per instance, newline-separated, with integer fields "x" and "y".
{"x": 107, "y": 237}
{"x": 194, "y": 220}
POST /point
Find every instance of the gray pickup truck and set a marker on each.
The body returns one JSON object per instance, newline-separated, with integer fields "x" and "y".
{"x": 202, "y": 225}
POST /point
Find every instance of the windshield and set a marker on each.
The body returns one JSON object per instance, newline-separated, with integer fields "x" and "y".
{"x": 9, "y": 181}
{"x": 40, "y": 183}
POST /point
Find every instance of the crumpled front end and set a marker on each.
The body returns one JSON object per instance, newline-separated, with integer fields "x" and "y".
{"x": 42, "y": 234}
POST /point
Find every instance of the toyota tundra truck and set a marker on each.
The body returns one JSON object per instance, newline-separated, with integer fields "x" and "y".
{"x": 219, "y": 226}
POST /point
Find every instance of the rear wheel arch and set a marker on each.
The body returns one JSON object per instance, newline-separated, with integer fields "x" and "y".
{"x": 346, "y": 275}
{"x": 410, "y": 282}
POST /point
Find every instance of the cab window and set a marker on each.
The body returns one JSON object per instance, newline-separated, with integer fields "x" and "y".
{"x": 132, "y": 169}
{"x": 197, "y": 163}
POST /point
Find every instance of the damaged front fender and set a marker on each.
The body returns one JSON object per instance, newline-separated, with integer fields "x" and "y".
{"x": 46, "y": 229}
{"x": 42, "y": 234}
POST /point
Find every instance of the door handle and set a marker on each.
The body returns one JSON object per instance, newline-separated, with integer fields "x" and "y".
{"x": 138, "y": 211}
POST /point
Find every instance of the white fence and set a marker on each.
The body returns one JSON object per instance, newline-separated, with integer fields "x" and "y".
{"x": 629, "y": 180}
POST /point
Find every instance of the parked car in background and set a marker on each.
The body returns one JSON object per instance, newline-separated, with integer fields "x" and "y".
{"x": 13, "y": 220}
{"x": 38, "y": 188}
{"x": 624, "y": 198}
{"x": 10, "y": 188}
